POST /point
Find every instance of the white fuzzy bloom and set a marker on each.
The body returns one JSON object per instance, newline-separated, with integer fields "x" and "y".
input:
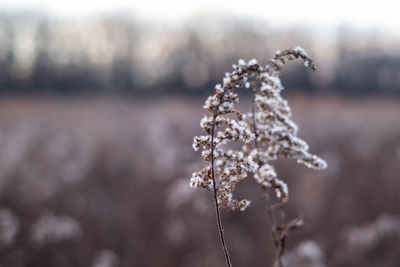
{"x": 282, "y": 189}
{"x": 275, "y": 82}
{"x": 244, "y": 204}
{"x": 195, "y": 181}
{"x": 253, "y": 165}
{"x": 276, "y": 132}
{"x": 252, "y": 62}
{"x": 300, "y": 50}
{"x": 270, "y": 122}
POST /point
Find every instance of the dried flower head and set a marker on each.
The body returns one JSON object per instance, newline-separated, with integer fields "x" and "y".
{"x": 267, "y": 133}
{"x": 269, "y": 125}
{"x": 276, "y": 133}
{"x": 222, "y": 125}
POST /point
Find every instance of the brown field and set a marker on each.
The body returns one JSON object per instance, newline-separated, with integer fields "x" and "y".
{"x": 85, "y": 182}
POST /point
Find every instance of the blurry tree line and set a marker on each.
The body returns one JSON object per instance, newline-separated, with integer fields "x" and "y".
{"x": 41, "y": 54}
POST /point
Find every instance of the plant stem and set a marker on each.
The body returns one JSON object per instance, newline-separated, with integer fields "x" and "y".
{"x": 275, "y": 236}
{"x": 217, "y": 213}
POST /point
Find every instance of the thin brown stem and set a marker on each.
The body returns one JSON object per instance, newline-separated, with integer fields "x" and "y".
{"x": 217, "y": 213}
{"x": 276, "y": 239}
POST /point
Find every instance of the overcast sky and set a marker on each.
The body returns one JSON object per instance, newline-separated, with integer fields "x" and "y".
{"x": 356, "y": 13}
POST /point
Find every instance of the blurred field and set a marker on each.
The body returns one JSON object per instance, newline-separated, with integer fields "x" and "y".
{"x": 105, "y": 182}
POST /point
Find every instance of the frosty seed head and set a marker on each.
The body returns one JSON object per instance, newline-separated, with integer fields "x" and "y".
{"x": 268, "y": 133}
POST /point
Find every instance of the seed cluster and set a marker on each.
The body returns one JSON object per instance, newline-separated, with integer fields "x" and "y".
{"x": 267, "y": 133}
{"x": 276, "y": 133}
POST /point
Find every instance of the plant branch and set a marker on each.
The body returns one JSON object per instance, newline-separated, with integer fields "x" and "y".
{"x": 278, "y": 242}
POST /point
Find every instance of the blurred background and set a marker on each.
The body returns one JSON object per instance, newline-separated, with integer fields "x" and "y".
{"x": 100, "y": 100}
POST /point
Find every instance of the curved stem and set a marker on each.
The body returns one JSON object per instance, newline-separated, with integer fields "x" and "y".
{"x": 275, "y": 235}
{"x": 217, "y": 213}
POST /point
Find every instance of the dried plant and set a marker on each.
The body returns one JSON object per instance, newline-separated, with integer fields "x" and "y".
{"x": 267, "y": 133}
{"x": 276, "y": 137}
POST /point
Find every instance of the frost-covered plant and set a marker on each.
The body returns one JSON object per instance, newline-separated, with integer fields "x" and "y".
{"x": 276, "y": 137}
{"x": 267, "y": 133}
{"x": 276, "y": 133}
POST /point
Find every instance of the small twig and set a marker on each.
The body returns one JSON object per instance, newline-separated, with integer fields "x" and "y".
{"x": 275, "y": 233}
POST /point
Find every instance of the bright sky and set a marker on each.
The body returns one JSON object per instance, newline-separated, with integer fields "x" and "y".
{"x": 357, "y": 13}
